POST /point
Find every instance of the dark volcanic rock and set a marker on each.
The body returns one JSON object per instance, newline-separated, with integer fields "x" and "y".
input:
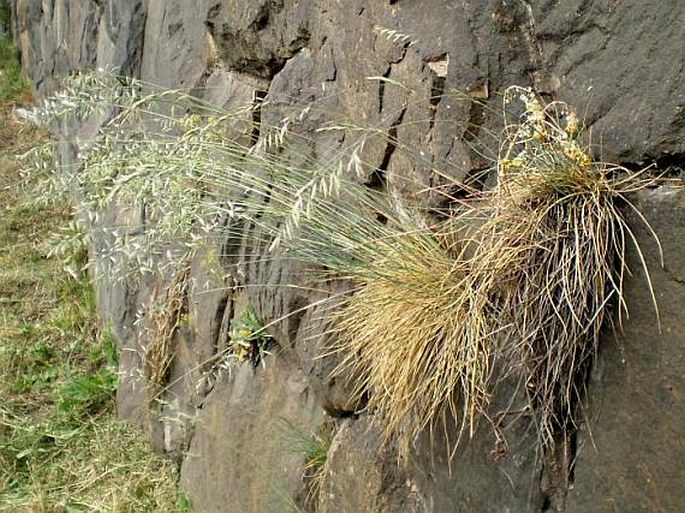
{"x": 361, "y": 474}
{"x": 620, "y": 63}
{"x": 259, "y": 37}
{"x": 242, "y": 457}
{"x": 630, "y": 454}
{"x": 54, "y": 39}
{"x": 463, "y": 481}
{"x": 395, "y": 66}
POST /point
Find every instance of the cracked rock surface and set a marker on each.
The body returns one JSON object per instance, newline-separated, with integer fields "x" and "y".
{"x": 618, "y": 62}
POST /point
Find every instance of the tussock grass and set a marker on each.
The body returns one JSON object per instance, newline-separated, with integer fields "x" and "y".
{"x": 551, "y": 256}
{"x": 514, "y": 281}
{"x": 413, "y": 335}
{"x": 526, "y": 288}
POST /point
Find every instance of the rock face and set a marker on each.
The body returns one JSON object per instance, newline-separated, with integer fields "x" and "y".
{"x": 626, "y": 456}
{"x": 392, "y": 64}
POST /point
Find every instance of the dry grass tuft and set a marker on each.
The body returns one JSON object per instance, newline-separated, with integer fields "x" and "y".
{"x": 551, "y": 256}
{"x": 528, "y": 287}
{"x": 162, "y": 319}
{"x": 413, "y": 334}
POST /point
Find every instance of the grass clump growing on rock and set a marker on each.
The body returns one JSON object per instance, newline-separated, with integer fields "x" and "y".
{"x": 525, "y": 289}
{"x": 515, "y": 282}
{"x": 551, "y": 256}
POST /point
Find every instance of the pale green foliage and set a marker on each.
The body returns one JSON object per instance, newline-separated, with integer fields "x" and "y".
{"x": 152, "y": 160}
{"x": 61, "y": 446}
{"x": 177, "y": 168}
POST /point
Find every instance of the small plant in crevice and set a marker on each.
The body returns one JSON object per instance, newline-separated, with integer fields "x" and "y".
{"x": 248, "y": 339}
{"x": 313, "y": 448}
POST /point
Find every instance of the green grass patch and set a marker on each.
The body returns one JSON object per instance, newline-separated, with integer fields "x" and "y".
{"x": 13, "y": 84}
{"x": 61, "y": 446}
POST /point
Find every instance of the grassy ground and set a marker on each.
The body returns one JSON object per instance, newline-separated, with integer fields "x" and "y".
{"x": 61, "y": 447}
